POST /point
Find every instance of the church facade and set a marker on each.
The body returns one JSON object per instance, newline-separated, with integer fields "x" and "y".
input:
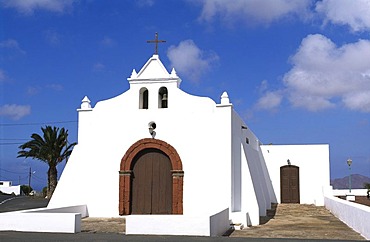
{"x": 156, "y": 154}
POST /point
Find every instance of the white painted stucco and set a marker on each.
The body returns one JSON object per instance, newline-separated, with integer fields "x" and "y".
{"x": 6, "y": 187}
{"x": 314, "y": 170}
{"x": 225, "y": 166}
{"x": 59, "y": 220}
{"x": 354, "y": 192}
{"x": 201, "y": 225}
{"x": 354, "y": 215}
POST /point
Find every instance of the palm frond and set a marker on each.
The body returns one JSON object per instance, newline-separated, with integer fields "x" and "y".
{"x": 51, "y": 148}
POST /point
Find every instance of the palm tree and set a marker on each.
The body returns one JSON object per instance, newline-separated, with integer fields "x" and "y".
{"x": 52, "y": 149}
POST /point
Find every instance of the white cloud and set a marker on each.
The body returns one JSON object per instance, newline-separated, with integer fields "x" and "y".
{"x": 355, "y": 13}
{"x": 325, "y": 75}
{"x": 189, "y": 60}
{"x": 14, "y": 111}
{"x": 33, "y": 90}
{"x": 352, "y": 13}
{"x": 98, "y": 67}
{"x": 270, "y": 100}
{"x": 145, "y": 3}
{"x": 12, "y": 45}
{"x": 260, "y": 11}
{"x": 29, "y": 6}
{"x": 358, "y": 101}
{"x": 55, "y": 87}
{"x": 2, "y": 75}
{"x": 52, "y": 37}
{"x": 107, "y": 41}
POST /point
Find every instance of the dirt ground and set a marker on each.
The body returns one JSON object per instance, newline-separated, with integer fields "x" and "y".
{"x": 283, "y": 221}
{"x": 300, "y": 221}
{"x": 362, "y": 200}
{"x": 103, "y": 225}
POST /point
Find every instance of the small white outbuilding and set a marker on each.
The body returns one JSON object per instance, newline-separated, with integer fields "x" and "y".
{"x": 8, "y": 188}
{"x": 175, "y": 163}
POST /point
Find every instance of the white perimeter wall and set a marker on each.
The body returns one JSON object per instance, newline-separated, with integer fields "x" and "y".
{"x": 354, "y": 215}
{"x": 314, "y": 171}
{"x": 203, "y": 225}
{"x": 344, "y": 192}
{"x": 61, "y": 220}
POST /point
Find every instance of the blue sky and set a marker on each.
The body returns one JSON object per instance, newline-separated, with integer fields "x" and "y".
{"x": 297, "y": 71}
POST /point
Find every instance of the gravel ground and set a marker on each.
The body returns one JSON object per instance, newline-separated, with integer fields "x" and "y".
{"x": 300, "y": 221}
{"x": 103, "y": 225}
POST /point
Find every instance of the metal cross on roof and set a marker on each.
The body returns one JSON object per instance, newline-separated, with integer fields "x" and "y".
{"x": 156, "y": 41}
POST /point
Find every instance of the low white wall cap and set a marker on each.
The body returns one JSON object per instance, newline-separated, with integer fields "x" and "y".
{"x": 225, "y": 101}
{"x": 85, "y": 104}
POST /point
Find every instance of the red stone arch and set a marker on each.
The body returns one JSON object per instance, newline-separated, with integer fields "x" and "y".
{"x": 126, "y": 171}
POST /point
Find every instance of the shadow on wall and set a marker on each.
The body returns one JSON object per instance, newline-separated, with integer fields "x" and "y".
{"x": 269, "y": 215}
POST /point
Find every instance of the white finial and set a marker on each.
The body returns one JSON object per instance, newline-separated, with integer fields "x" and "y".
{"x": 173, "y": 73}
{"x": 133, "y": 74}
{"x": 225, "y": 98}
{"x": 85, "y": 103}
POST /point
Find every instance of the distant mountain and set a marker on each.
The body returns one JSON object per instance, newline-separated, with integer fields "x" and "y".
{"x": 357, "y": 181}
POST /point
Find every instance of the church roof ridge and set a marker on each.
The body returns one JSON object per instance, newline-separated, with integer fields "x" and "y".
{"x": 152, "y": 71}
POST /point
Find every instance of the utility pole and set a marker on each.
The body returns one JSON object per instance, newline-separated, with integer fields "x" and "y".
{"x": 29, "y": 179}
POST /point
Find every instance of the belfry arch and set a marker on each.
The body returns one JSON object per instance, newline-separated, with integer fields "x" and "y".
{"x": 125, "y": 174}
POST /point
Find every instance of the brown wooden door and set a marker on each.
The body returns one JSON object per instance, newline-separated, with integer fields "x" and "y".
{"x": 289, "y": 184}
{"x": 151, "y": 191}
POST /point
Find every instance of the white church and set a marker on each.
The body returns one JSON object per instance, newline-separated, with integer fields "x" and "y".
{"x": 175, "y": 163}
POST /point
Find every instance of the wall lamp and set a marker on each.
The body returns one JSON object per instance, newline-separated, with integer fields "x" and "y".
{"x": 151, "y": 127}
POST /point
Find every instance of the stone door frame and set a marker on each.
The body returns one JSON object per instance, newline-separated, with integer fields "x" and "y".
{"x": 126, "y": 172}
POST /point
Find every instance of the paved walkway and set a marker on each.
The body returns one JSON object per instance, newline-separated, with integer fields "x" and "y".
{"x": 300, "y": 221}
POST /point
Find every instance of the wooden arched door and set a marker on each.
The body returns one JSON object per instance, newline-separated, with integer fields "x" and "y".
{"x": 151, "y": 191}
{"x": 289, "y": 184}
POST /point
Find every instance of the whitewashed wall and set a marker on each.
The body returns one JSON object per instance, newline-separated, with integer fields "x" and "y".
{"x": 7, "y": 188}
{"x": 196, "y": 127}
{"x": 344, "y": 192}
{"x": 354, "y": 215}
{"x": 314, "y": 171}
{"x": 250, "y": 179}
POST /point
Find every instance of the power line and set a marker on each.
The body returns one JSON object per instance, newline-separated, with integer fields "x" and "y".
{"x": 13, "y": 139}
{"x": 22, "y": 178}
{"x": 44, "y": 123}
{"x": 38, "y": 179}
{"x": 11, "y": 143}
{"x": 13, "y": 172}
{"x": 5, "y": 178}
